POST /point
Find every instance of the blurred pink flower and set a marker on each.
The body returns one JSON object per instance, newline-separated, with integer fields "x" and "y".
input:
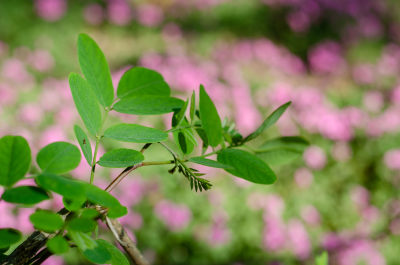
{"x": 119, "y": 12}
{"x": 360, "y": 251}
{"x": 274, "y": 236}
{"x": 360, "y": 197}
{"x": 310, "y": 215}
{"x": 175, "y": 216}
{"x": 8, "y": 96}
{"x": 31, "y": 114}
{"x": 315, "y": 157}
{"x": 326, "y": 58}
{"x": 395, "y": 227}
{"x": 132, "y": 219}
{"x": 363, "y": 74}
{"x": 298, "y": 21}
{"x": 273, "y": 205}
{"x": 93, "y": 14}
{"x": 54, "y": 260}
{"x": 341, "y": 151}
{"x": 23, "y": 223}
{"x": 52, "y": 134}
{"x": 373, "y": 101}
{"x": 247, "y": 116}
{"x": 14, "y": 70}
{"x": 149, "y": 15}
{"x": 303, "y": 177}
{"x": 51, "y": 10}
{"x": 41, "y": 60}
{"x": 219, "y": 234}
{"x": 131, "y": 192}
{"x": 392, "y": 159}
{"x": 7, "y": 218}
{"x": 299, "y": 239}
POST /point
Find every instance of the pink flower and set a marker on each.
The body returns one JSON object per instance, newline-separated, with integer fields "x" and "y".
{"x": 373, "y": 101}
{"x": 175, "y": 216}
{"x": 54, "y": 260}
{"x": 14, "y": 70}
{"x": 361, "y": 251}
{"x": 41, "y": 60}
{"x": 360, "y": 197}
{"x": 274, "y": 236}
{"x": 326, "y": 58}
{"x": 341, "y": 151}
{"x": 299, "y": 239}
{"x": 315, "y": 157}
{"x": 392, "y": 159}
{"x": 93, "y": 14}
{"x": 51, "y": 10}
{"x": 149, "y": 15}
{"x": 31, "y": 114}
{"x": 119, "y": 12}
{"x": 310, "y": 215}
{"x": 364, "y": 74}
{"x": 298, "y": 21}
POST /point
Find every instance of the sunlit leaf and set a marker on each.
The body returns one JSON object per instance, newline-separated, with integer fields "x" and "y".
{"x": 246, "y": 166}
{"x": 121, "y": 157}
{"x": 148, "y": 105}
{"x": 58, "y": 245}
{"x": 64, "y": 186}
{"x": 86, "y": 103}
{"x": 95, "y": 69}
{"x": 268, "y": 122}
{"x": 15, "y": 159}
{"x": 135, "y": 133}
{"x": 208, "y": 162}
{"x": 90, "y": 249}
{"x": 46, "y": 220}
{"x": 25, "y": 195}
{"x": 84, "y": 143}
{"x": 9, "y": 236}
{"x": 58, "y": 157}
{"x": 139, "y": 81}
{"x": 117, "y": 257}
{"x": 103, "y": 198}
{"x": 210, "y": 119}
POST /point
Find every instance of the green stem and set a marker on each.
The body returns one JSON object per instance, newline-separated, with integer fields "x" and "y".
{"x": 211, "y": 153}
{"x": 155, "y": 163}
{"x": 93, "y": 166}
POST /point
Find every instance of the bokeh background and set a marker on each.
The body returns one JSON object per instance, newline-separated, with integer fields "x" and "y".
{"x": 339, "y": 63}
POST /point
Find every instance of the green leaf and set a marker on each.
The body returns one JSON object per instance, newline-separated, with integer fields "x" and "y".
{"x": 93, "y": 251}
{"x": 121, "y": 157}
{"x": 46, "y": 221}
{"x": 74, "y": 204}
{"x": 282, "y": 150}
{"x": 58, "y": 157}
{"x": 89, "y": 213}
{"x": 179, "y": 116}
{"x": 141, "y": 81}
{"x": 58, "y": 245}
{"x": 135, "y": 133}
{"x": 103, "y": 198}
{"x": 15, "y": 159}
{"x": 322, "y": 259}
{"x": 185, "y": 139}
{"x": 95, "y": 69}
{"x": 246, "y": 166}
{"x": 210, "y": 119}
{"x": 117, "y": 257}
{"x": 9, "y": 236}
{"x": 148, "y": 105}
{"x": 84, "y": 143}
{"x": 208, "y": 162}
{"x": 25, "y": 195}
{"x": 64, "y": 186}
{"x": 86, "y": 103}
{"x": 192, "y": 106}
{"x": 268, "y": 122}
{"x": 81, "y": 224}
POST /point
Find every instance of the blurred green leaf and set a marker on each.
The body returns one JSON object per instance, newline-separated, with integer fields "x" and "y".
{"x": 46, "y": 220}
{"x": 192, "y": 106}
{"x": 103, "y": 198}
{"x": 81, "y": 224}
{"x": 246, "y": 166}
{"x": 117, "y": 257}
{"x": 25, "y": 195}
{"x": 93, "y": 251}
{"x": 121, "y": 157}
{"x": 58, "y": 245}
{"x": 15, "y": 159}
{"x": 208, "y": 162}
{"x": 64, "y": 186}
{"x": 139, "y": 81}
{"x": 148, "y": 105}
{"x": 282, "y": 150}
{"x": 86, "y": 103}
{"x": 84, "y": 143}
{"x": 269, "y": 121}
{"x": 95, "y": 69}
{"x": 9, "y": 236}
{"x": 135, "y": 133}
{"x": 322, "y": 259}
{"x": 210, "y": 119}
{"x": 58, "y": 157}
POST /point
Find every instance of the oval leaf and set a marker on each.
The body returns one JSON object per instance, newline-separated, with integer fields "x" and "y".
{"x": 58, "y": 157}
{"x": 103, "y": 198}
{"x": 141, "y": 81}
{"x": 15, "y": 159}
{"x": 84, "y": 143}
{"x": 117, "y": 257}
{"x": 246, "y": 166}
{"x": 9, "y": 236}
{"x": 95, "y": 69}
{"x": 93, "y": 251}
{"x": 208, "y": 162}
{"x": 210, "y": 119}
{"x": 179, "y": 116}
{"x": 85, "y": 102}
{"x": 81, "y": 224}
{"x": 121, "y": 158}
{"x": 135, "y": 133}
{"x": 66, "y": 187}
{"x": 58, "y": 245}
{"x": 148, "y": 105}
{"x": 25, "y": 195}
{"x": 268, "y": 122}
{"x": 46, "y": 221}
